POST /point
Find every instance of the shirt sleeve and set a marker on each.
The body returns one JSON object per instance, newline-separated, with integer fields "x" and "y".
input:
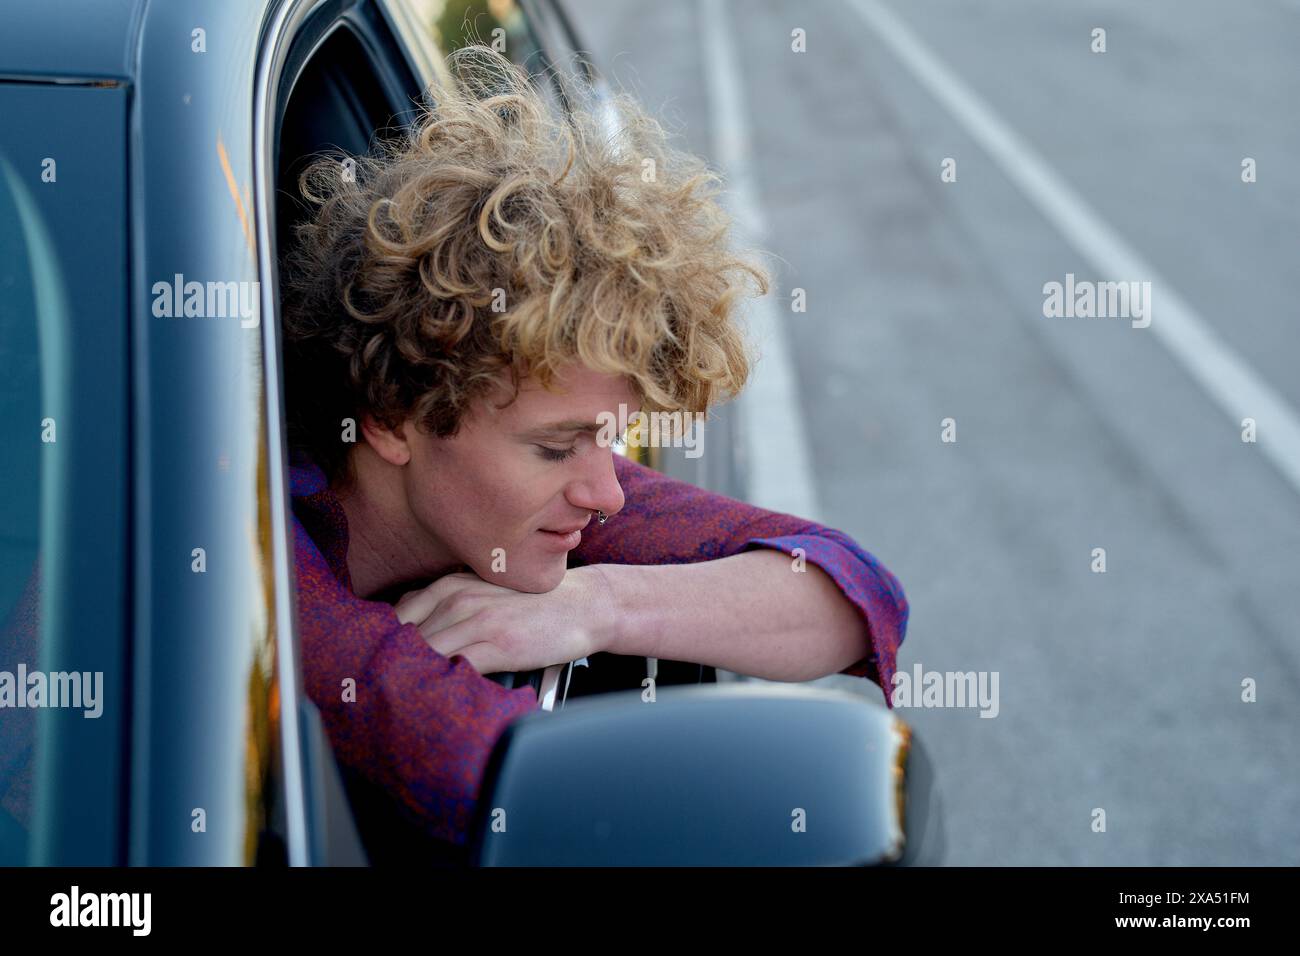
{"x": 416, "y": 723}
{"x": 668, "y": 521}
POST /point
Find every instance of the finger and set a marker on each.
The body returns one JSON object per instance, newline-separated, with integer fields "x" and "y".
{"x": 484, "y": 658}
{"x": 414, "y": 606}
{"x": 454, "y": 637}
{"x": 448, "y": 614}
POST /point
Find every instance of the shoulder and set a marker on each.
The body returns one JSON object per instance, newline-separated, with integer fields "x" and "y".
{"x": 305, "y": 476}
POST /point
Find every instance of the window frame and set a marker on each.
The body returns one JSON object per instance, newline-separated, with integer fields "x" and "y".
{"x": 319, "y": 825}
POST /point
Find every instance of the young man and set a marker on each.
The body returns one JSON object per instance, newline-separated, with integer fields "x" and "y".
{"x": 463, "y": 319}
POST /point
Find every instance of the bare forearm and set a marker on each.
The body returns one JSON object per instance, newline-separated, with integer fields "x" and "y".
{"x": 751, "y": 613}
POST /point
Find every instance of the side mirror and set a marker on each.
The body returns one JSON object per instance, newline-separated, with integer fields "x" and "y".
{"x": 733, "y": 775}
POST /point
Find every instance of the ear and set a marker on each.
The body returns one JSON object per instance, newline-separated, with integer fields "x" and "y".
{"x": 390, "y": 444}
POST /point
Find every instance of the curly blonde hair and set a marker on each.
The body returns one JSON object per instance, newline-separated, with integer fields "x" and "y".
{"x": 504, "y": 233}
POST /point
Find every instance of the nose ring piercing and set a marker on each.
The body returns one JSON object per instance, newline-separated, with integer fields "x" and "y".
{"x": 601, "y": 517}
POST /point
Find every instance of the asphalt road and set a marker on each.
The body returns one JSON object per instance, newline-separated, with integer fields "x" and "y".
{"x": 1120, "y": 691}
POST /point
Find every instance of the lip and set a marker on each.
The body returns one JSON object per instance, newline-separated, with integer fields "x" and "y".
{"x": 566, "y": 540}
{"x": 569, "y": 530}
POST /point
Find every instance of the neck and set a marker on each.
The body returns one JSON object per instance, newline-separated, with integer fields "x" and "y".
{"x": 385, "y": 545}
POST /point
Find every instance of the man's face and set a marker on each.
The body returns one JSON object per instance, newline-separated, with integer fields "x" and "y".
{"x": 504, "y": 495}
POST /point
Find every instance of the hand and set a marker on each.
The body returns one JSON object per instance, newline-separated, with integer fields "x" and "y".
{"x": 499, "y": 629}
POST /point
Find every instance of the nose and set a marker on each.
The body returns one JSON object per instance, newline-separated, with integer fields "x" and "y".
{"x": 597, "y": 489}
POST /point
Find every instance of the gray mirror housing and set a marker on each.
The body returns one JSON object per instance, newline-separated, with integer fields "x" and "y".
{"x": 732, "y": 775}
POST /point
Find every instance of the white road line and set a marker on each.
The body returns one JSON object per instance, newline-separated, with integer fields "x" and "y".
{"x": 1230, "y": 382}
{"x": 776, "y": 449}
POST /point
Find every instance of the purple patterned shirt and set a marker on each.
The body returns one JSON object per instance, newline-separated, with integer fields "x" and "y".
{"x": 423, "y": 725}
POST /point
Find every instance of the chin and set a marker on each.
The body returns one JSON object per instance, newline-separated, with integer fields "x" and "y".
{"x": 532, "y": 580}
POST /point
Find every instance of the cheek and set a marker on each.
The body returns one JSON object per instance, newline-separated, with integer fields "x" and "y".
{"x": 494, "y": 507}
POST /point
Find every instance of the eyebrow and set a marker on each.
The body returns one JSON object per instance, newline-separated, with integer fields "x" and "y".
{"x": 555, "y": 427}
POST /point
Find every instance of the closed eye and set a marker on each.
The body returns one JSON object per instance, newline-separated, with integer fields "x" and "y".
{"x": 556, "y": 454}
